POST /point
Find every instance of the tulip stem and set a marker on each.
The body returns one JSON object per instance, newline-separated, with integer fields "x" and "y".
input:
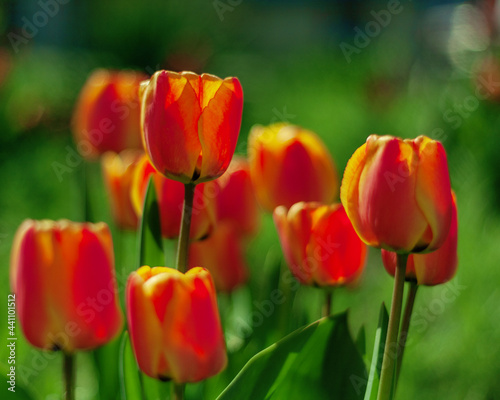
{"x": 177, "y": 391}
{"x": 405, "y": 325}
{"x": 327, "y": 306}
{"x": 187, "y": 210}
{"x": 69, "y": 376}
{"x": 386, "y": 386}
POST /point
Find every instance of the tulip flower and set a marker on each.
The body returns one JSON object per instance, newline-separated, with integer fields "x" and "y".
{"x": 107, "y": 114}
{"x": 170, "y": 195}
{"x": 235, "y": 199}
{"x": 320, "y": 244}
{"x": 62, "y": 273}
{"x": 174, "y": 324}
{"x": 118, "y": 171}
{"x": 289, "y": 164}
{"x": 190, "y": 124}
{"x": 432, "y": 268}
{"x": 223, "y": 255}
{"x": 397, "y": 193}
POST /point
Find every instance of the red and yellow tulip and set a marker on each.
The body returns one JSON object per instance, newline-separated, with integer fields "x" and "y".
{"x": 170, "y": 196}
{"x": 118, "y": 171}
{"x": 397, "y": 193}
{"x": 289, "y": 164}
{"x": 235, "y": 198}
{"x": 190, "y": 124}
{"x": 174, "y": 324}
{"x": 63, "y": 276}
{"x": 320, "y": 244}
{"x": 222, "y": 253}
{"x": 432, "y": 268}
{"x": 107, "y": 114}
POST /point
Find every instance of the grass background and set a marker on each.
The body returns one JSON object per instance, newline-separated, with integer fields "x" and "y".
{"x": 288, "y": 58}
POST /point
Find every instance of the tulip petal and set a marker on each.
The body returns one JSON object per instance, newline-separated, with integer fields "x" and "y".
{"x": 349, "y": 195}
{"x": 433, "y": 191}
{"x": 219, "y": 124}
{"x": 169, "y": 122}
{"x": 387, "y": 201}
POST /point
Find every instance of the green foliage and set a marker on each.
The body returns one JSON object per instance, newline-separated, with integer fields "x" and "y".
{"x": 317, "y": 361}
{"x": 150, "y": 245}
{"x": 130, "y": 382}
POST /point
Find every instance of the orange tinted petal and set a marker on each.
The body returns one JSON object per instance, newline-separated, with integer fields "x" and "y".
{"x": 433, "y": 191}
{"x": 387, "y": 204}
{"x": 170, "y": 113}
{"x": 219, "y": 124}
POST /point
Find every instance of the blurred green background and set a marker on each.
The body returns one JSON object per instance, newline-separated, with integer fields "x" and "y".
{"x": 343, "y": 69}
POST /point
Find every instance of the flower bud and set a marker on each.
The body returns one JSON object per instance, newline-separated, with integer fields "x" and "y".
{"x": 320, "y": 244}
{"x": 174, "y": 324}
{"x": 118, "y": 171}
{"x": 397, "y": 193}
{"x": 63, "y": 276}
{"x": 289, "y": 164}
{"x": 190, "y": 124}
{"x": 107, "y": 114}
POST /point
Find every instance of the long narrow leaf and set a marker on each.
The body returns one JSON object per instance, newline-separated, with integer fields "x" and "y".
{"x": 150, "y": 245}
{"x": 129, "y": 373}
{"x": 378, "y": 352}
{"x": 314, "y": 362}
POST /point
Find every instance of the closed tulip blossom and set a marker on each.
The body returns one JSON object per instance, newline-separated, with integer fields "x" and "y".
{"x": 62, "y": 274}
{"x": 118, "y": 172}
{"x": 223, "y": 255}
{"x": 235, "y": 198}
{"x": 397, "y": 193}
{"x": 289, "y": 164}
{"x": 107, "y": 113}
{"x": 190, "y": 124}
{"x": 432, "y": 268}
{"x": 170, "y": 196}
{"x": 319, "y": 243}
{"x": 174, "y": 324}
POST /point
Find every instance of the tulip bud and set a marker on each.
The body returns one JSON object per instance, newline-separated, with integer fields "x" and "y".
{"x": 235, "y": 199}
{"x": 222, "y": 254}
{"x": 118, "y": 171}
{"x": 190, "y": 124}
{"x": 432, "y": 268}
{"x": 170, "y": 196}
{"x": 289, "y": 164}
{"x": 397, "y": 193}
{"x": 63, "y": 276}
{"x": 320, "y": 244}
{"x": 174, "y": 324}
{"x": 107, "y": 114}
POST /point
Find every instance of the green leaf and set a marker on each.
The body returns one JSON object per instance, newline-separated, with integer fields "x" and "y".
{"x": 130, "y": 380}
{"x": 361, "y": 341}
{"x": 106, "y": 359}
{"x": 314, "y": 362}
{"x": 150, "y": 241}
{"x": 378, "y": 353}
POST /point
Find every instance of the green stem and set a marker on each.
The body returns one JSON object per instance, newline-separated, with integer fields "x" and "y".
{"x": 327, "y": 306}
{"x": 183, "y": 245}
{"x": 177, "y": 391}
{"x": 69, "y": 376}
{"x": 385, "y": 388}
{"x": 405, "y": 326}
